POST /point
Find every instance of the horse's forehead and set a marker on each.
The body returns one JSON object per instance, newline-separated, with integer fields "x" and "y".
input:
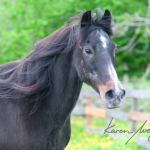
{"x": 103, "y": 39}
{"x": 101, "y": 35}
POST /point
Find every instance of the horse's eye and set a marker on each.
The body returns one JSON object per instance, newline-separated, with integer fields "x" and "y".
{"x": 88, "y": 51}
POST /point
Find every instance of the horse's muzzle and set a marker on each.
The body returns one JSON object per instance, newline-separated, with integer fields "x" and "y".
{"x": 113, "y": 98}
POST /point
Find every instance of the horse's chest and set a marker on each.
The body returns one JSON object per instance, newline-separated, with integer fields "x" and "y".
{"x": 59, "y": 138}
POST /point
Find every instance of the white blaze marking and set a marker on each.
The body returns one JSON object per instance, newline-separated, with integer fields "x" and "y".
{"x": 113, "y": 75}
{"x": 103, "y": 39}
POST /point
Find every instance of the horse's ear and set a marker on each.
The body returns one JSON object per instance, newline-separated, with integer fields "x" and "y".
{"x": 86, "y": 18}
{"x": 107, "y": 14}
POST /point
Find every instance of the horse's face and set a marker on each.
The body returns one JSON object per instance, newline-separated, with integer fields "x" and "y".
{"x": 95, "y": 66}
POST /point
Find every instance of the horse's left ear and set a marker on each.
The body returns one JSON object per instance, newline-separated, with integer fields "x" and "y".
{"x": 86, "y": 19}
{"x": 107, "y": 14}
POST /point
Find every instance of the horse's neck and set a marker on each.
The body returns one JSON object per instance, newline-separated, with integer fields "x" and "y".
{"x": 66, "y": 87}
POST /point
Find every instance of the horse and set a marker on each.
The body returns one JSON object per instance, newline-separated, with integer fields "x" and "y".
{"x": 39, "y": 92}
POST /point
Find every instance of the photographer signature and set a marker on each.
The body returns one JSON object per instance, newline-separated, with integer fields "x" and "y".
{"x": 140, "y": 130}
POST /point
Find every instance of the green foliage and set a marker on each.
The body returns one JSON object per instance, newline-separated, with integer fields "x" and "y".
{"x": 24, "y": 22}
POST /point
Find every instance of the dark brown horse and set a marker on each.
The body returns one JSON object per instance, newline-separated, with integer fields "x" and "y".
{"x": 39, "y": 92}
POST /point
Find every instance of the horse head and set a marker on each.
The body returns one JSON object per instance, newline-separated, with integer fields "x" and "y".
{"x": 95, "y": 58}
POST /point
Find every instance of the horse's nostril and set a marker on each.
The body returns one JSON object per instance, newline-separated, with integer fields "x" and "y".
{"x": 112, "y": 94}
{"x": 109, "y": 95}
{"x": 123, "y": 93}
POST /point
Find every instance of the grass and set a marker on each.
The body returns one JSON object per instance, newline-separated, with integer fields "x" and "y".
{"x": 81, "y": 140}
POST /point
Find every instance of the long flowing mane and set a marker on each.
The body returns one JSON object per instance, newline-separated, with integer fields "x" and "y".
{"x": 31, "y": 78}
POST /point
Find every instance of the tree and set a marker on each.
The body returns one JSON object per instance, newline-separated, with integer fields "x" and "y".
{"x": 133, "y": 52}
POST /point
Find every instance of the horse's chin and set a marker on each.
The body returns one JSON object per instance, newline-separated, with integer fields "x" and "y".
{"x": 111, "y": 105}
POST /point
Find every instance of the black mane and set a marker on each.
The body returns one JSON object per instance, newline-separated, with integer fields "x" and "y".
{"x": 30, "y": 78}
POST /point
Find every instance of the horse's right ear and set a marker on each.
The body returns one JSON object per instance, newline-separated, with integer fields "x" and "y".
{"x": 86, "y": 18}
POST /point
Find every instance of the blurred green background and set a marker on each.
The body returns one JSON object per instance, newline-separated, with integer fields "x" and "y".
{"x": 23, "y": 22}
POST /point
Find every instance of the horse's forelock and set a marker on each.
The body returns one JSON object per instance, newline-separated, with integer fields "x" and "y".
{"x": 103, "y": 22}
